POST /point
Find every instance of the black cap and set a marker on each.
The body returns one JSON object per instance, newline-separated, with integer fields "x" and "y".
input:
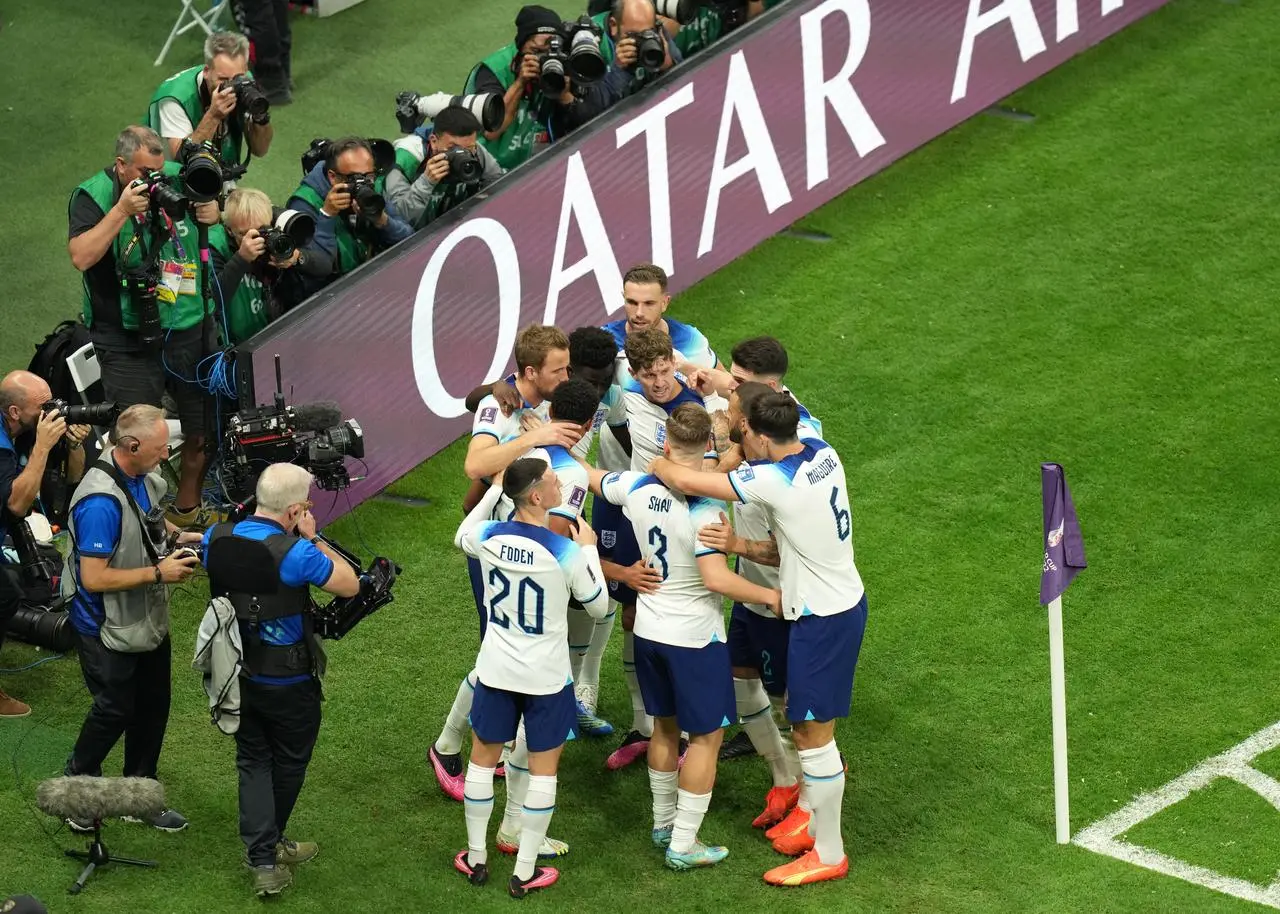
{"x": 535, "y": 20}
{"x": 22, "y": 904}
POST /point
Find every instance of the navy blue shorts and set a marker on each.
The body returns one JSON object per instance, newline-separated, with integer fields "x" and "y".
{"x": 760, "y": 643}
{"x": 476, "y": 574}
{"x": 616, "y": 542}
{"x": 821, "y": 658}
{"x": 549, "y": 720}
{"x": 692, "y": 684}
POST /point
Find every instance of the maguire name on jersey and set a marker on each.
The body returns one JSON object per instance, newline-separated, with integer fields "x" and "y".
{"x": 682, "y": 612}
{"x": 808, "y": 507}
{"x": 752, "y": 522}
{"x": 529, "y": 575}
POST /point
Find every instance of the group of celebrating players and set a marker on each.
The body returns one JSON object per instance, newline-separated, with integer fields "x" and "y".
{"x": 680, "y": 438}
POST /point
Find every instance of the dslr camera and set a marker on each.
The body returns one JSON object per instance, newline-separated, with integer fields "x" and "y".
{"x": 102, "y": 414}
{"x": 163, "y": 197}
{"x": 651, "y": 50}
{"x": 413, "y": 110}
{"x": 288, "y": 231}
{"x": 465, "y": 165}
{"x": 361, "y": 187}
{"x": 249, "y": 97}
{"x": 573, "y": 53}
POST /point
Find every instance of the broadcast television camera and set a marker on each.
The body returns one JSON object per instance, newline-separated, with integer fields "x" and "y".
{"x": 312, "y": 435}
{"x": 341, "y": 614}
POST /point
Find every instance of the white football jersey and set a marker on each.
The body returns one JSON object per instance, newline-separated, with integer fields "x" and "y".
{"x": 574, "y": 484}
{"x": 690, "y": 346}
{"x": 647, "y": 421}
{"x": 808, "y": 505}
{"x": 682, "y": 612}
{"x": 610, "y": 412}
{"x": 752, "y": 522}
{"x": 529, "y": 575}
{"x": 489, "y": 419}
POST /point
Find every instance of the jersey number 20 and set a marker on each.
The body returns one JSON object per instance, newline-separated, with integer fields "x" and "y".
{"x": 528, "y": 596}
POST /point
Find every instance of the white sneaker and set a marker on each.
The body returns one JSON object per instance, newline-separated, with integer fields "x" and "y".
{"x": 587, "y": 693}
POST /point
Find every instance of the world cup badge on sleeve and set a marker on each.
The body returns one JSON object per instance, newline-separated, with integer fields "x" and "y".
{"x": 489, "y": 414}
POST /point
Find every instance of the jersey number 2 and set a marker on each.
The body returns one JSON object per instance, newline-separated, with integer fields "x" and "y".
{"x": 843, "y": 527}
{"x": 527, "y": 591}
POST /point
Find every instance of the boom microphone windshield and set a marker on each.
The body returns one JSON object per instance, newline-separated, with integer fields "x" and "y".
{"x": 84, "y": 797}
{"x": 316, "y": 417}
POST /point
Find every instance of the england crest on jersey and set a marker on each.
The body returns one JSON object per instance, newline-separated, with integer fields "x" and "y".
{"x": 608, "y": 538}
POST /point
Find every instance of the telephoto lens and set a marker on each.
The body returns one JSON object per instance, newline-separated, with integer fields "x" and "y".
{"x": 163, "y": 196}
{"x": 585, "y": 57}
{"x": 290, "y": 230}
{"x": 551, "y": 78}
{"x": 680, "y": 10}
{"x": 103, "y": 414}
{"x": 201, "y": 172}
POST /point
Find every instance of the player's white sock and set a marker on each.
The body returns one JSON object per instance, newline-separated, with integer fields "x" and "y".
{"x": 599, "y": 641}
{"x": 640, "y": 720}
{"x": 581, "y": 627}
{"x": 824, "y": 782}
{"x": 663, "y": 785}
{"x": 779, "y": 705}
{"x": 517, "y": 784}
{"x": 539, "y": 804}
{"x": 691, "y": 809}
{"x": 455, "y": 725}
{"x": 757, "y": 721}
{"x": 478, "y": 804}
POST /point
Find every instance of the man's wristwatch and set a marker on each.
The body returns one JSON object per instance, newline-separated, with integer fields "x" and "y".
{"x": 159, "y": 578}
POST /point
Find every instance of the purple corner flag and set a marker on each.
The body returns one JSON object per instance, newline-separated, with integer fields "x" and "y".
{"x": 1063, "y": 543}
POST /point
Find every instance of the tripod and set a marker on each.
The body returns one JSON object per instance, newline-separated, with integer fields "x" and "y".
{"x": 98, "y": 857}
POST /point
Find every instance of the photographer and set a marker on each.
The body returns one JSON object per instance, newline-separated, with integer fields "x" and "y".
{"x": 219, "y": 103}
{"x": 354, "y": 222}
{"x": 445, "y": 165}
{"x": 248, "y": 274}
{"x": 264, "y": 566}
{"x": 121, "y": 605}
{"x": 28, "y": 436}
{"x": 634, "y": 32}
{"x": 532, "y": 120}
{"x": 143, "y": 302}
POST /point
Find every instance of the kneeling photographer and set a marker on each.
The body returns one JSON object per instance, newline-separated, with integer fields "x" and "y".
{"x": 440, "y": 166}
{"x": 343, "y": 192}
{"x": 256, "y": 251}
{"x": 29, "y": 435}
{"x": 263, "y": 566}
{"x": 134, "y": 231}
{"x": 123, "y": 557}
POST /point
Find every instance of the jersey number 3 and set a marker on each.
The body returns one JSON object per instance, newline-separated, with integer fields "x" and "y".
{"x": 659, "y": 539}
{"x": 843, "y": 527}
{"x": 528, "y": 597}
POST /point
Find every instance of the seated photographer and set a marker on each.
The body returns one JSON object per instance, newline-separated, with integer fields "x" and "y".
{"x": 29, "y": 435}
{"x": 354, "y": 221}
{"x": 532, "y": 117}
{"x": 445, "y": 165}
{"x": 120, "y": 610}
{"x": 132, "y": 235}
{"x": 244, "y": 250}
{"x": 642, "y": 50}
{"x": 218, "y": 102}
{"x": 264, "y": 566}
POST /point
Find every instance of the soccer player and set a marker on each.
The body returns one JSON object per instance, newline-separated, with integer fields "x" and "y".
{"x": 530, "y": 574}
{"x": 592, "y": 358}
{"x": 681, "y": 657}
{"x": 801, "y": 484}
{"x": 542, "y": 363}
{"x": 645, "y": 303}
{"x": 651, "y": 393}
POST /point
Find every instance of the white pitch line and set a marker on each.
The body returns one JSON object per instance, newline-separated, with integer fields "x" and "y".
{"x": 1103, "y": 837}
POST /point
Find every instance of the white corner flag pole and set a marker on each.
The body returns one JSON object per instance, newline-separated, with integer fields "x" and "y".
{"x": 1058, "y": 698}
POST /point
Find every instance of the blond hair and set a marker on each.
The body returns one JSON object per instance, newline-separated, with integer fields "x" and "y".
{"x": 250, "y": 202}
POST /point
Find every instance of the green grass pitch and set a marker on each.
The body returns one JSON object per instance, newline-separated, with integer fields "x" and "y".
{"x": 1097, "y": 288}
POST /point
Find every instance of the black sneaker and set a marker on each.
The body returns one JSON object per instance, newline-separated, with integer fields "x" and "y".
{"x": 476, "y": 875}
{"x": 169, "y": 820}
{"x": 542, "y": 877}
{"x": 738, "y": 747}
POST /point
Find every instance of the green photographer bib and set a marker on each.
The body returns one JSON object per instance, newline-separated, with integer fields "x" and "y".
{"x": 517, "y": 141}
{"x": 246, "y": 310}
{"x": 178, "y": 292}
{"x": 412, "y": 152}
{"x": 184, "y": 88}
{"x": 352, "y": 249}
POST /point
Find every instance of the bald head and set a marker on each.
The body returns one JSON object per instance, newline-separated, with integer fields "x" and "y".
{"x": 21, "y": 396}
{"x": 634, "y": 16}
